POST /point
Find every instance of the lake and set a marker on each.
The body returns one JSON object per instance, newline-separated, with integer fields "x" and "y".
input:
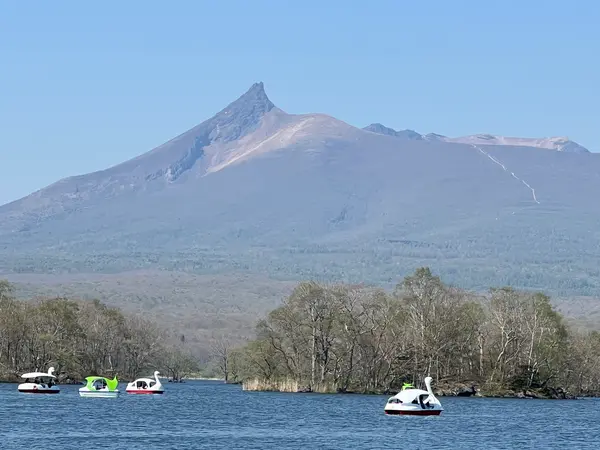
{"x": 212, "y": 415}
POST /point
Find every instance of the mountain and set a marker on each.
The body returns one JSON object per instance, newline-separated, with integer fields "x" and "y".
{"x": 255, "y": 191}
{"x": 561, "y": 144}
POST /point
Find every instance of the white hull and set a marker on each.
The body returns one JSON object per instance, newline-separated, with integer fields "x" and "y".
{"x": 412, "y": 410}
{"x": 38, "y": 388}
{"x": 102, "y": 394}
{"x": 145, "y": 391}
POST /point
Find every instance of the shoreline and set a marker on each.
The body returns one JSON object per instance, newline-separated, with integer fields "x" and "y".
{"x": 446, "y": 390}
{"x": 204, "y": 379}
{"x": 479, "y": 395}
{"x": 81, "y": 383}
{"x": 527, "y": 394}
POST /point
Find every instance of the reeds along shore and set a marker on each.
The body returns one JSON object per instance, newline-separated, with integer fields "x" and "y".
{"x": 273, "y": 385}
{"x": 340, "y": 338}
{"x": 447, "y": 390}
{"x": 285, "y": 385}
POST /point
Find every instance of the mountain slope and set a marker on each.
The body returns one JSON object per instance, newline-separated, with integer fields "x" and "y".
{"x": 150, "y": 171}
{"x": 257, "y": 190}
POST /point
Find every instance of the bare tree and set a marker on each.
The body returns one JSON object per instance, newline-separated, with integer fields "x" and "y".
{"x": 220, "y": 352}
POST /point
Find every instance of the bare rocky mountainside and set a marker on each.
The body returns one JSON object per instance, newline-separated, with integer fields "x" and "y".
{"x": 223, "y": 218}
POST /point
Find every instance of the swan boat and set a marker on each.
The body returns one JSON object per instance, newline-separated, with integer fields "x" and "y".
{"x": 39, "y": 383}
{"x": 414, "y": 402}
{"x": 100, "y": 387}
{"x": 146, "y": 386}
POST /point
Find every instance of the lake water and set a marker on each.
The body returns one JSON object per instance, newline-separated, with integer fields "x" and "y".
{"x": 212, "y": 415}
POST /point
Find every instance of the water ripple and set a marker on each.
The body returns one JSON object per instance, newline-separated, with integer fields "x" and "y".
{"x": 210, "y": 415}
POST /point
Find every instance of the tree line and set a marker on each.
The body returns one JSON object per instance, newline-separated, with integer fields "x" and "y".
{"x": 328, "y": 337}
{"x": 82, "y": 338}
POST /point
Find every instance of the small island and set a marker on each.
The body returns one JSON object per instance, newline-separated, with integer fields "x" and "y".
{"x": 326, "y": 338}
{"x": 356, "y": 339}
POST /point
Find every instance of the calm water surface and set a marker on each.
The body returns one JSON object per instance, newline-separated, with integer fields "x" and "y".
{"x": 211, "y": 415}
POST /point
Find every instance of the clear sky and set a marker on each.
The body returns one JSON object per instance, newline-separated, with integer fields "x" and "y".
{"x": 86, "y": 85}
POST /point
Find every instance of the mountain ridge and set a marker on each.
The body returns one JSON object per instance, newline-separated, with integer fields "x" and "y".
{"x": 254, "y": 189}
{"x": 558, "y": 143}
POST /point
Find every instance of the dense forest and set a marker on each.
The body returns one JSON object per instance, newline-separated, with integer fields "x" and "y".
{"x": 82, "y": 338}
{"x": 346, "y": 338}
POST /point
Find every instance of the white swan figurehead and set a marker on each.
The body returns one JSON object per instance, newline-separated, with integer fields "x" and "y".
{"x": 51, "y": 371}
{"x": 158, "y": 384}
{"x": 428, "y": 385}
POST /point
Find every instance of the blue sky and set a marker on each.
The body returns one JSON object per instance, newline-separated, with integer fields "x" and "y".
{"x": 86, "y": 86}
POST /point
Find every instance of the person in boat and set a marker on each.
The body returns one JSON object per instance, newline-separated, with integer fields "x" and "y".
{"x": 407, "y": 386}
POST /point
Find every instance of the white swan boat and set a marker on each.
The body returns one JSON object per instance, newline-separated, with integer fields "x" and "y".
{"x": 100, "y": 387}
{"x": 414, "y": 402}
{"x": 39, "y": 383}
{"x": 146, "y": 386}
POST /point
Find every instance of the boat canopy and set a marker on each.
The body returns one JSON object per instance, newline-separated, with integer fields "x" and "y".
{"x": 408, "y": 395}
{"x": 147, "y": 380}
{"x": 110, "y": 384}
{"x": 38, "y": 375}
